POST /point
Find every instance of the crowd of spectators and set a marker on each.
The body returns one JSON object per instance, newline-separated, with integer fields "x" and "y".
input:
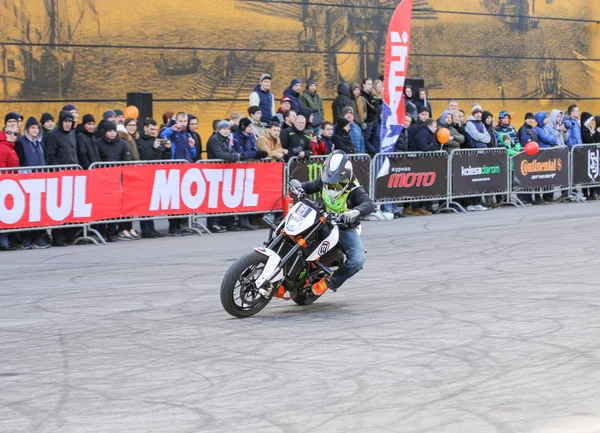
{"x": 298, "y": 127}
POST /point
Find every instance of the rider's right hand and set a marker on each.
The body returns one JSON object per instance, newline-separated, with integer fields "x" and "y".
{"x": 296, "y": 185}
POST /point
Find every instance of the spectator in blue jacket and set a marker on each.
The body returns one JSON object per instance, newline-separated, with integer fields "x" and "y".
{"x": 244, "y": 141}
{"x": 571, "y": 120}
{"x": 183, "y": 145}
{"x": 293, "y": 92}
{"x": 426, "y": 140}
{"x": 546, "y": 137}
{"x": 475, "y": 132}
{"x": 356, "y": 136}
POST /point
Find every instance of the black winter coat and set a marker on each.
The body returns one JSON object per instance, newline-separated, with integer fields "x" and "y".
{"x": 343, "y": 100}
{"x": 113, "y": 150}
{"x": 87, "y": 152}
{"x": 295, "y": 142}
{"x": 61, "y": 147}
{"x": 341, "y": 140}
{"x": 402, "y": 142}
{"x": 145, "y": 145}
{"x": 219, "y": 147}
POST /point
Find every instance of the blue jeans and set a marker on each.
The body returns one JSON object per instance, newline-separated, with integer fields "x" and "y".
{"x": 147, "y": 227}
{"x": 355, "y": 258}
{"x": 4, "y": 240}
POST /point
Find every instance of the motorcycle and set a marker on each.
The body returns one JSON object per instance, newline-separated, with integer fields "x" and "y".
{"x": 300, "y": 251}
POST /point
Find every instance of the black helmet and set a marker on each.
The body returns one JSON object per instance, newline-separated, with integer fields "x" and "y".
{"x": 337, "y": 174}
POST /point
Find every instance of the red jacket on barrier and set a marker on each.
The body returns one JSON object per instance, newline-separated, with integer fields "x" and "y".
{"x": 8, "y": 156}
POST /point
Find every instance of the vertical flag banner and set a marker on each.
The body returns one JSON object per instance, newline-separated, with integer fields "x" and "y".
{"x": 397, "y": 44}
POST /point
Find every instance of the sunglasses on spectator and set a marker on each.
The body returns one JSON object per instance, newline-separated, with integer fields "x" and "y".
{"x": 11, "y": 133}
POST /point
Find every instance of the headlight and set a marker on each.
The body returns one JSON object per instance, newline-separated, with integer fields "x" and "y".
{"x": 293, "y": 222}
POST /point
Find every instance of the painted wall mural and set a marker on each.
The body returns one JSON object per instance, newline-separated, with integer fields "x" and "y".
{"x": 205, "y": 57}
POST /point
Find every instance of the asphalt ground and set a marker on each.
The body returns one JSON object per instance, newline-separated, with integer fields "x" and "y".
{"x": 477, "y": 323}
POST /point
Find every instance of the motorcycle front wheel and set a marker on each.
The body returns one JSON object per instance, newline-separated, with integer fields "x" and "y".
{"x": 239, "y": 294}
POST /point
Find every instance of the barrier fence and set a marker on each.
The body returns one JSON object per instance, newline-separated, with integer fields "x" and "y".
{"x": 52, "y": 197}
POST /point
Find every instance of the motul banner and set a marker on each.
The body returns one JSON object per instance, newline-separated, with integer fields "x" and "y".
{"x": 410, "y": 176}
{"x": 397, "y": 46}
{"x": 307, "y": 170}
{"x": 151, "y": 190}
{"x": 586, "y": 164}
{"x": 48, "y": 199}
{"x": 548, "y": 168}
{"x": 79, "y": 196}
{"x": 479, "y": 172}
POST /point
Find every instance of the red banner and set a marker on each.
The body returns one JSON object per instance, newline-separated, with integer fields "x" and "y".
{"x": 201, "y": 188}
{"x": 397, "y": 46}
{"x": 47, "y": 199}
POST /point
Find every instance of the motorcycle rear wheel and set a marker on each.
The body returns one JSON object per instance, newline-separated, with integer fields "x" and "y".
{"x": 242, "y": 276}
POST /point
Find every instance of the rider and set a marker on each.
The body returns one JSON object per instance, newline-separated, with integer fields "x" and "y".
{"x": 341, "y": 192}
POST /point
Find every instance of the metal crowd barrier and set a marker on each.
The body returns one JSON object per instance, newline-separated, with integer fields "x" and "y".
{"x": 585, "y": 169}
{"x": 81, "y": 235}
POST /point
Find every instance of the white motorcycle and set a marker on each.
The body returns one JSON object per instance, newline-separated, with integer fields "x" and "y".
{"x": 300, "y": 251}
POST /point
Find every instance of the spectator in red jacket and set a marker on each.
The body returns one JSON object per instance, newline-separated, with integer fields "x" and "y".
{"x": 8, "y": 159}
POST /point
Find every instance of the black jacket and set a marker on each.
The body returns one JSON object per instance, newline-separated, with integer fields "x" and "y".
{"x": 219, "y": 147}
{"x": 87, "y": 152}
{"x": 341, "y": 140}
{"x": 357, "y": 199}
{"x": 426, "y": 141}
{"x": 145, "y": 145}
{"x": 61, "y": 147}
{"x": 413, "y": 130}
{"x": 295, "y": 142}
{"x": 402, "y": 142}
{"x": 343, "y": 100}
{"x": 197, "y": 138}
{"x": 113, "y": 150}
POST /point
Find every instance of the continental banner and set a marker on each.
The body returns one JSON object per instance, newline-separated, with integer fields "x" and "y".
{"x": 586, "y": 164}
{"x": 307, "y": 170}
{"x": 409, "y": 176}
{"x": 479, "y": 172}
{"x": 548, "y": 168}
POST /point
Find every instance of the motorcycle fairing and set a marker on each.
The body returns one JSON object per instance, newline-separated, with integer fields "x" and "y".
{"x": 326, "y": 245}
{"x": 270, "y": 267}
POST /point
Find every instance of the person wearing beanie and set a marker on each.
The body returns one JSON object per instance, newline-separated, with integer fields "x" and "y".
{"x": 356, "y": 133}
{"x": 254, "y": 114}
{"x": 476, "y": 133}
{"x": 311, "y": 99}
{"x": 527, "y": 131}
{"x": 87, "y": 152}
{"x": 107, "y": 116}
{"x": 13, "y": 119}
{"x": 293, "y": 92}
{"x": 112, "y": 148}
{"x": 245, "y": 142}
{"x": 262, "y": 97}
{"x": 47, "y": 122}
{"x": 219, "y": 147}
{"x": 30, "y": 150}
{"x": 61, "y": 149}
{"x": 119, "y": 117}
{"x": 504, "y": 127}
{"x": 341, "y": 138}
{"x": 74, "y": 112}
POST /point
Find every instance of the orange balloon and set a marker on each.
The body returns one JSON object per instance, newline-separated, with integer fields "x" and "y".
{"x": 532, "y": 148}
{"x": 132, "y": 112}
{"x": 443, "y": 135}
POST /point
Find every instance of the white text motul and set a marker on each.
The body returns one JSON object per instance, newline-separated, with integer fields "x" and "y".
{"x": 59, "y": 200}
{"x": 232, "y": 187}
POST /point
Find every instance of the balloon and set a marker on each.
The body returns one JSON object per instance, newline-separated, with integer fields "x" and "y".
{"x": 532, "y": 148}
{"x": 443, "y": 135}
{"x": 132, "y": 112}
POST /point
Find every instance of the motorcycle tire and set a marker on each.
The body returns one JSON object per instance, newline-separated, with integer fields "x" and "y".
{"x": 232, "y": 279}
